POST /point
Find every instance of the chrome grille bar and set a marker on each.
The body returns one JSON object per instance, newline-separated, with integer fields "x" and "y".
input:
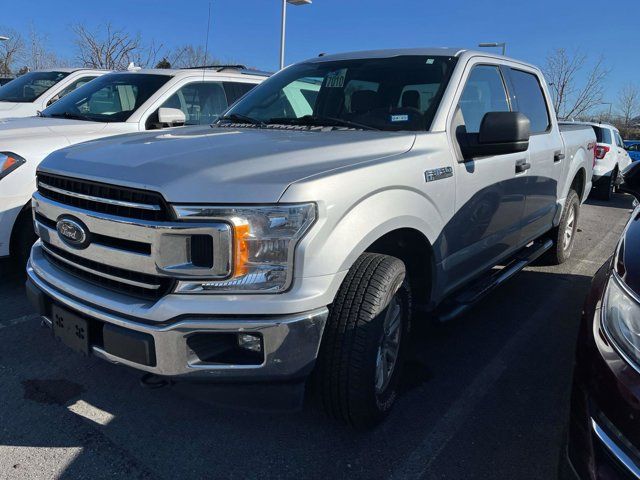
{"x": 99, "y": 273}
{"x": 91, "y": 198}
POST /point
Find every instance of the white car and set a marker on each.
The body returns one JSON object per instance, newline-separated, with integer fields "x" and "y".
{"x": 611, "y": 158}
{"x": 116, "y": 103}
{"x": 32, "y": 92}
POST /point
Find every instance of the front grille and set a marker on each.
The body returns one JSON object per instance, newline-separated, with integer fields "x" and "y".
{"x": 113, "y": 242}
{"x": 116, "y": 278}
{"x": 103, "y": 198}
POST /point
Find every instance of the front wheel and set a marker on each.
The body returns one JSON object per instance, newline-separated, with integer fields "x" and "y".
{"x": 564, "y": 234}
{"x": 364, "y": 342}
{"x": 22, "y": 239}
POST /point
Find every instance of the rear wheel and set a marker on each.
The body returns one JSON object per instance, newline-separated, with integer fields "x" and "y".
{"x": 364, "y": 342}
{"x": 564, "y": 234}
{"x": 605, "y": 189}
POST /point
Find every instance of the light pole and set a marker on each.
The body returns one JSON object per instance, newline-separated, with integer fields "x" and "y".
{"x": 284, "y": 24}
{"x": 609, "y": 115}
{"x": 495, "y": 45}
{"x": 3, "y": 39}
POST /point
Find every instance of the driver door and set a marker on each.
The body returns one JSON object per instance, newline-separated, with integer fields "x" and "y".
{"x": 490, "y": 191}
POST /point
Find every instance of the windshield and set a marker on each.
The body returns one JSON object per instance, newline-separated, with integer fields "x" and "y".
{"x": 398, "y": 93}
{"x": 110, "y": 98}
{"x": 28, "y": 87}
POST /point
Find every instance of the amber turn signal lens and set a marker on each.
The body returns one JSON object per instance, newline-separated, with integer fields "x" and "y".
{"x": 241, "y": 255}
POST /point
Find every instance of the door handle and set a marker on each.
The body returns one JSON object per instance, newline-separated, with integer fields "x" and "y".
{"x": 558, "y": 157}
{"x": 522, "y": 166}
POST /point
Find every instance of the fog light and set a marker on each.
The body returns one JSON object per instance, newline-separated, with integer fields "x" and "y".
{"x": 250, "y": 342}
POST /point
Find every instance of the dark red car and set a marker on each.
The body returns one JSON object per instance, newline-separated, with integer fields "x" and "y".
{"x": 604, "y": 426}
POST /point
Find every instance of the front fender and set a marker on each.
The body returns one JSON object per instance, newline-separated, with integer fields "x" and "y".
{"x": 340, "y": 238}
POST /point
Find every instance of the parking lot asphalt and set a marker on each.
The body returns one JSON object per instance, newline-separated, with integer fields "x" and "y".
{"x": 487, "y": 398}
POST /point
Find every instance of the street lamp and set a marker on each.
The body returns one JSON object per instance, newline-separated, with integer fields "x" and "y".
{"x": 495, "y": 45}
{"x": 3, "y": 39}
{"x": 284, "y": 24}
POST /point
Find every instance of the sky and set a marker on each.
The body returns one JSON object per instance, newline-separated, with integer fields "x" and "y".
{"x": 248, "y": 31}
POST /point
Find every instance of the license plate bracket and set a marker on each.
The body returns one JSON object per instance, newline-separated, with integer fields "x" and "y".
{"x": 70, "y": 329}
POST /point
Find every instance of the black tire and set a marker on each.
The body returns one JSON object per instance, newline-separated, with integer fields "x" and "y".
{"x": 22, "y": 239}
{"x": 561, "y": 251}
{"x": 347, "y": 367}
{"x": 605, "y": 189}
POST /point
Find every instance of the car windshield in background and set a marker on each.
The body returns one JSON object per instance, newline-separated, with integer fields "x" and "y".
{"x": 397, "y": 93}
{"x": 28, "y": 87}
{"x": 110, "y": 98}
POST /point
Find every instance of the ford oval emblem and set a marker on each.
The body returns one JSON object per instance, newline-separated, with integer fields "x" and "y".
{"x": 73, "y": 232}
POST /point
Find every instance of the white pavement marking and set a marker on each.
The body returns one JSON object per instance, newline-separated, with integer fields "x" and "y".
{"x": 18, "y": 320}
{"x": 88, "y": 411}
{"x": 434, "y": 442}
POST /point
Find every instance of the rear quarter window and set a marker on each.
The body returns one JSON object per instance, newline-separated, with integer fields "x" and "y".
{"x": 530, "y": 100}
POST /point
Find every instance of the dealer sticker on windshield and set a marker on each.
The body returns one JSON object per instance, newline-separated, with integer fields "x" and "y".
{"x": 335, "y": 79}
{"x": 399, "y": 118}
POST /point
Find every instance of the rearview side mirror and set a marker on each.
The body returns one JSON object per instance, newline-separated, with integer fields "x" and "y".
{"x": 53, "y": 100}
{"x": 631, "y": 180}
{"x": 171, "y": 116}
{"x": 500, "y": 133}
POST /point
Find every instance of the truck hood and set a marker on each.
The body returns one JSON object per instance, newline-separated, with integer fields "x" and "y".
{"x": 15, "y": 109}
{"x": 30, "y": 127}
{"x": 220, "y": 164}
{"x": 8, "y": 106}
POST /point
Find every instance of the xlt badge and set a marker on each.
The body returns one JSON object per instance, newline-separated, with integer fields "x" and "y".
{"x": 438, "y": 174}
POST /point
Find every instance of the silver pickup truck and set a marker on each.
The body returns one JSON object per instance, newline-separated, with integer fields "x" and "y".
{"x": 299, "y": 237}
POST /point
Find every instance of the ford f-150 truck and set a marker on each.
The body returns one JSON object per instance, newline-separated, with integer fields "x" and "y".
{"x": 299, "y": 237}
{"x": 116, "y": 103}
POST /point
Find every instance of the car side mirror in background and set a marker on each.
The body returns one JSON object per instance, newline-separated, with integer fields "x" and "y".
{"x": 500, "y": 133}
{"x": 631, "y": 180}
{"x": 53, "y": 100}
{"x": 171, "y": 116}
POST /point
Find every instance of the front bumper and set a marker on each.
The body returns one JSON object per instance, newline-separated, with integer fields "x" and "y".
{"x": 290, "y": 343}
{"x": 604, "y": 428}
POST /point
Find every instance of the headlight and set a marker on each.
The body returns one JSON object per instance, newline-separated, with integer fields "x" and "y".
{"x": 621, "y": 320}
{"x": 9, "y": 162}
{"x": 264, "y": 241}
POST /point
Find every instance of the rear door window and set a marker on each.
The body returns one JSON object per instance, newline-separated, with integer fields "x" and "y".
{"x": 235, "y": 90}
{"x": 530, "y": 100}
{"x": 483, "y": 93}
{"x": 619, "y": 140}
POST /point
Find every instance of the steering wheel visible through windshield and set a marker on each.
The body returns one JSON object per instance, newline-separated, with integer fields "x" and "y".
{"x": 110, "y": 98}
{"x": 28, "y": 87}
{"x": 395, "y": 93}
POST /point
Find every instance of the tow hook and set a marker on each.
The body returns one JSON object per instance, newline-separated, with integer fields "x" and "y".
{"x": 152, "y": 381}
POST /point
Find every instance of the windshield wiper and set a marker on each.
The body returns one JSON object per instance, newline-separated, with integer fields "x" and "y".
{"x": 321, "y": 122}
{"x": 239, "y": 118}
{"x": 70, "y": 116}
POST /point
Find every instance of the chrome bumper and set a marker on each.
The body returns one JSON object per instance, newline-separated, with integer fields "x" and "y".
{"x": 290, "y": 342}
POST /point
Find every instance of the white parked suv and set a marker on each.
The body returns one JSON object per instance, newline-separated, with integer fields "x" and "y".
{"x": 113, "y": 104}
{"x": 32, "y": 92}
{"x": 611, "y": 158}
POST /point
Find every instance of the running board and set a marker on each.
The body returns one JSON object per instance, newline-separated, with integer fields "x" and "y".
{"x": 477, "y": 290}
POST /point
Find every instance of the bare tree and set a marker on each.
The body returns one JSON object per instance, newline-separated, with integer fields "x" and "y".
{"x": 191, "y": 56}
{"x": 111, "y": 49}
{"x": 11, "y": 51}
{"x": 629, "y": 103}
{"x": 572, "y": 98}
{"x": 37, "y": 55}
